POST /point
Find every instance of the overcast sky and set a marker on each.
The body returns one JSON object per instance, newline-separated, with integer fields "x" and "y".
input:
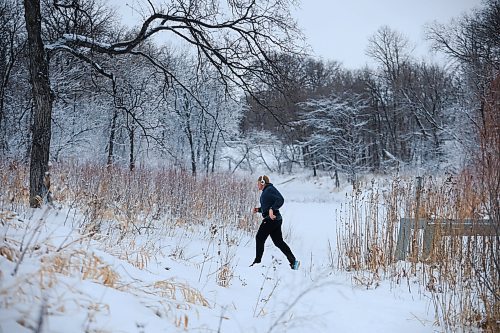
{"x": 339, "y": 29}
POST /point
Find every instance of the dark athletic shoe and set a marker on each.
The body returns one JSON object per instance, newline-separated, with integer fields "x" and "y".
{"x": 254, "y": 262}
{"x": 295, "y": 265}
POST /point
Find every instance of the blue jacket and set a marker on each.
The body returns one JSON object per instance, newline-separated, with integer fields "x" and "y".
{"x": 271, "y": 198}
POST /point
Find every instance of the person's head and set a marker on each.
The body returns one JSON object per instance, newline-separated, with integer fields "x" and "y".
{"x": 262, "y": 182}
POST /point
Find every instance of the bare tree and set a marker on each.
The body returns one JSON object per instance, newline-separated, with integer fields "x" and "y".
{"x": 391, "y": 50}
{"x": 408, "y": 101}
{"x": 236, "y": 39}
{"x": 473, "y": 42}
{"x": 39, "y": 73}
{"x": 338, "y": 133}
{"x": 303, "y": 78}
{"x": 472, "y": 39}
{"x": 219, "y": 120}
{"x": 12, "y": 42}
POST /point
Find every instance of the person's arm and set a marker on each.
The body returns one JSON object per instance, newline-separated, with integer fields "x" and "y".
{"x": 278, "y": 201}
{"x": 257, "y": 210}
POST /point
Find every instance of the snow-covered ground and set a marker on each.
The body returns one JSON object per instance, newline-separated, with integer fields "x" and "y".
{"x": 171, "y": 282}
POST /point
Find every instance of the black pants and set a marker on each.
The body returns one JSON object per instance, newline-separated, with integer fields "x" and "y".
{"x": 272, "y": 228}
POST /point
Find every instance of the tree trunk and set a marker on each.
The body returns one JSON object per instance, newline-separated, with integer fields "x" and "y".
{"x": 336, "y": 176}
{"x": 112, "y": 134}
{"x": 215, "y": 152}
{"x": 3, "y": 87}
{"x": 193, "y": 152}
{"x": 189, "y": 134}
{"x": 131, "y": 135}
{"x": 39, "y": 75}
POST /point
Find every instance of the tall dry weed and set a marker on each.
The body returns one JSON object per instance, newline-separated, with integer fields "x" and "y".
{"x": 129, "y": 212}
{"x": 139, "y": 200}
{"x": 461, "y": 271}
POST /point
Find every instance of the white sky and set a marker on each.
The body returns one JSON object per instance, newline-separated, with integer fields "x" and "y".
{"x": 339, "y": 29}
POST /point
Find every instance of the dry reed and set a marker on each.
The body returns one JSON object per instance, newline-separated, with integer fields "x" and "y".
{"x": 127, "y": 214}
{"x": 461, "y": 271}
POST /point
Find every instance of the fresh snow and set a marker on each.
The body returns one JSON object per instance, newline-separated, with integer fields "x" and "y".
{"x": 177, "y": 288}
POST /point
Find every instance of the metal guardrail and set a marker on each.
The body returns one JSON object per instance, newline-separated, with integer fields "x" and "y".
{"x": 443, "y": 227}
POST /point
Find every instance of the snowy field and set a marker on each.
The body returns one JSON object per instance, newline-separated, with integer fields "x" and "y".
{"x": 67, "y": 282}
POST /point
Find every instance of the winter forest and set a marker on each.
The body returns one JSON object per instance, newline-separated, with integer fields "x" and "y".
{"x": 124, "y": 150}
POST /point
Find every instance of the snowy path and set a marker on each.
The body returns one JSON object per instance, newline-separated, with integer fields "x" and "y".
{"x": 342, "y": 307}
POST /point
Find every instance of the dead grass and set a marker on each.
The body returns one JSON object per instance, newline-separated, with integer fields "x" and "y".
{"x": 118, "y": 205}
{"x": 9, "y": 252}
{"x": 224, "y": 276}
{"x": 80, "y": 263}
{"x": 137, "y": 200}
{"x": 124, "y": 214}
{"x": 30, "y": 288}
{"x": 462, "y": 271}
{"x": 172, "y": 290}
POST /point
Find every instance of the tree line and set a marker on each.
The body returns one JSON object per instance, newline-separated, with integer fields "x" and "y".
{"x": 76, "y": 83}
{"x": 405, "y": 112}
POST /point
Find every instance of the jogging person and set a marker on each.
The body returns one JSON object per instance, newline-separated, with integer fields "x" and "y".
{"x": 271, "y": 201}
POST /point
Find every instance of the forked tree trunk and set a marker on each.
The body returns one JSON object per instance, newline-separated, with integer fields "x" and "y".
{"x": 39, "y": 75}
